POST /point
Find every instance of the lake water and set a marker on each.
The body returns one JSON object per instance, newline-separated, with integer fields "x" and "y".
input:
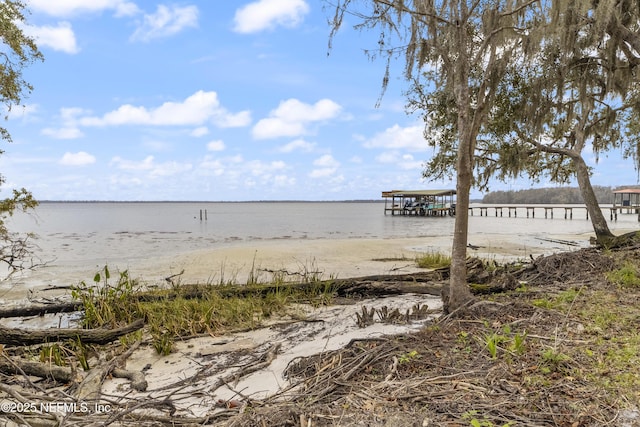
{"x": 74, "y": 238}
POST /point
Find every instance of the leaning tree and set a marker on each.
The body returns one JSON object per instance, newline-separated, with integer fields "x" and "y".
{"x": 463, "y": 47}
{"x": 18, "y": 51}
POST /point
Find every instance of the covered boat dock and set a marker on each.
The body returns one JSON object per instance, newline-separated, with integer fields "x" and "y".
{"x": 420, "y": 202}
{"x": 627, "y": 198}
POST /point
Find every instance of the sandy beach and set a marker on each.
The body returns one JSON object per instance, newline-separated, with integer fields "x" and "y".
{"x": 324, "y": 258}
{"x": 344, "y": 258}
{"x": 203, "y": 375}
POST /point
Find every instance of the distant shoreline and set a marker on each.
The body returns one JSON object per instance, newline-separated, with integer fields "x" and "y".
{"x": 212, "y": 201}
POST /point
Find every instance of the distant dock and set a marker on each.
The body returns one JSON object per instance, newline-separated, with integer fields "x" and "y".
{"x": 530, "y": 210}
{"x": 431, "y": 203}
{"x": 420, "y": 202}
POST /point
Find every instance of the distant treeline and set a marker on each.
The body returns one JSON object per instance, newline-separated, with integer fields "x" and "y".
{"x": 560, "y": 195}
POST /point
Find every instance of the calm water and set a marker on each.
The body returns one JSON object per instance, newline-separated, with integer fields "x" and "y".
{"x": 80, "y": 236}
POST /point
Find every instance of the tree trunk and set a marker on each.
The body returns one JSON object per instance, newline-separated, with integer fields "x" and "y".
{"x": 459, "y": 293}
{"x": 21, "y": 337}
{"x": 37, "y": 369}
{"x": 41, "y": 309}
{"x": 599, "y": 222}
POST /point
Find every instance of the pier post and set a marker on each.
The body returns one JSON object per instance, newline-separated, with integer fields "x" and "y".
{"x": 569, "y": 211}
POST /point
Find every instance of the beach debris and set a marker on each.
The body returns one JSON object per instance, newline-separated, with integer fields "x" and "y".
{"x": 17, "y": 336}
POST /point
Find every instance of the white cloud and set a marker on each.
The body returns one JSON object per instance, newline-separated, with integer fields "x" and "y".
{"x": 80, "y": 158}
{"x": 20, "y": 112}
{"x": 396, "y": 137}
{"x": 327, "y": 166}
{"x": 150, "y": 167}
{"x": 197, "y": 109}
{"x": 403, "y": 161}
{"x": 157, "y": 146}
{"x": 269, "y": 14}
{"x": 409, "y": 162}
{"x": 60, "y": 38}
{"x": 120, "y": 163}
{"x": 292, "y": 117}
{"x": 76, "y": 7}
{"x": 200, "y": 131}
{"x": 388, "y": 157}
{"x": 166, "y": 21}
{"x": 298, "y": 144}
{"x": 63, "y": 133}
{"x": 326, "y": 161}
{"x": 217, "y": 145}
{"x": 321, "y": 173}
{"x": 69, "y": 129}
{"x": 263, "y": 169}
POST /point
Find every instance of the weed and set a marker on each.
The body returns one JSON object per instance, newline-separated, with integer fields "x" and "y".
{"x": 54, "y": 354}
{"x": 626, "y": 276}
{"x": 561, "y": 301}
{"x": 433, "y": 260}
{"x": 408, "y": 357}
{"x": 189, "y": 310}
{"x": 504, "y": 339}
{"x": 553, "y": 359}
{"x": 492, "y": 343}
{"x": 474, "y": 421}
{"x": 517, "y": 345}
{"x": 106, "y": 305}
{"x": 463, "y": 342}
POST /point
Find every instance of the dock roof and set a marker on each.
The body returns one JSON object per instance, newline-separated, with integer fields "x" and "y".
{"x": 628, "y": 191}
{"x": 417, "y": 193}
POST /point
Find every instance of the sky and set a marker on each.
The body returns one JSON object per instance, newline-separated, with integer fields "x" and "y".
{"x": 216, "y": 101}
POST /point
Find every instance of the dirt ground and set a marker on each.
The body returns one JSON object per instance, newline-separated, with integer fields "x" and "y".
{"x": 560, "y": 350}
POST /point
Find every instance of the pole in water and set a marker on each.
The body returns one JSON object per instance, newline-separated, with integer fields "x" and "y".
{"x": 200, "y": 214}
{"x": 205, "y": 214}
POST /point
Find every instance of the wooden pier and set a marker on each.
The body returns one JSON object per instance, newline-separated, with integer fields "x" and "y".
{"x": 530, "y": 210}
{"x": 443, "y": 203}
{"x": 549, "y": 210}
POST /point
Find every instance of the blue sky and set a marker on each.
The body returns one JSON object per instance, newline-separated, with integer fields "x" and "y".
{"x": 214, "y": 100}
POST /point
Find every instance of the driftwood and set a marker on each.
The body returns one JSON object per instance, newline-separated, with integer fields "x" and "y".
{"x": 36, "y": 369}
{"x": 40, "y": 309}
{"x": 14, "y": 336}
{"x": 91, "y": 386}
{"x": 427, "y": 282}
{"x": 138, "y": 381}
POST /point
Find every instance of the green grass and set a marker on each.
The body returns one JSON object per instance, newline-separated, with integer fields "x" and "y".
{"x": 433, "y": 260}
{"x": 185, "y": 311}
{"x": 626, "y": 276}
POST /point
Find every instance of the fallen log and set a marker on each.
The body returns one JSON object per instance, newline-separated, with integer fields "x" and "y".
{"x": 36, "y": 369}
{"x": 384, "y": 288}
{"x": 427, "y": 282}
{"x": 20, "y": 337}
{"x": 40, "y": 309}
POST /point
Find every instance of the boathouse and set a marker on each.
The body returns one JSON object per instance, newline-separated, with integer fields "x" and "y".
{"x": 626, "y": 198}
{"x": 420, "y": 202}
